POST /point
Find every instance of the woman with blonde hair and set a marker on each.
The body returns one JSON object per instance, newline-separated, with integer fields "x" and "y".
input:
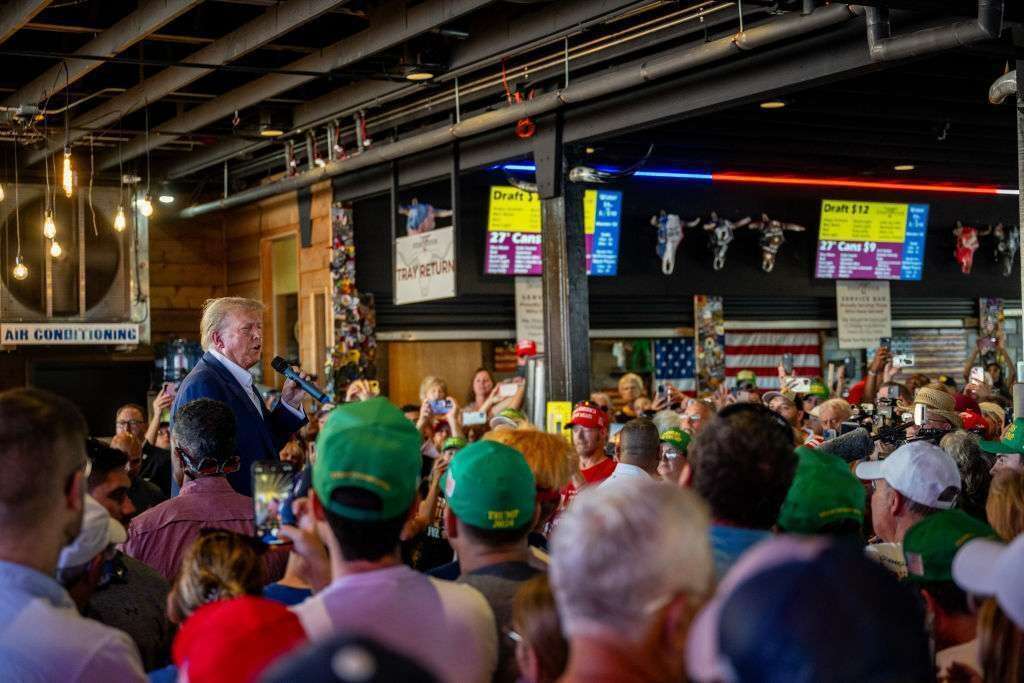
{"x": 433, "y": 389}
{"x": 218, "y": 565}
{"x": 631, "y": 388}
{"x": 1005, "y": 505}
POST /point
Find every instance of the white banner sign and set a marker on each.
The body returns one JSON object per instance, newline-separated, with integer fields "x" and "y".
{"x": 47, "y": 334}
{"x": 530, "y": 310}
{"x": 425, "y": 266}
{"x": 864, "y": 313}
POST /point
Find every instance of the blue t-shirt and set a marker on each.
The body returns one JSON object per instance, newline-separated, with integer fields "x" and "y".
{"x": 286, "y": 595}
{"x": 729, "y": 542}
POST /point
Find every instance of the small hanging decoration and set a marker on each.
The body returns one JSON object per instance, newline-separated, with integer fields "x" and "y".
{"x": 966, "y": 245}
{"x": 773, "y": 235}
{"x": 354, "y": 353}
{"x": 419, "y": 218}
{"x": 1007, "y": 241}
{"x": 525, "y": 127}
{"x": 721, "y": 235}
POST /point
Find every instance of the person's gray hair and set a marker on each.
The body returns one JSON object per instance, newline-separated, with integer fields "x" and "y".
{"x": 974, "y": 467}
{"x": 667, "y": 419}
{"x": 622, "y": 552}
{"x": 216, "y": 311}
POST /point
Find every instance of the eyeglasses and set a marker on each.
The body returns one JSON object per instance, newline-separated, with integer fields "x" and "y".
{"x": 128, "y": 423}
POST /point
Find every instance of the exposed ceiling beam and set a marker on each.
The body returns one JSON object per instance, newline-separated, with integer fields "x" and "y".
{"x": 159, "y": 37}
{"x": 275, "y": 22}
{"x": 493, "y": 38}
{"x": 150, "y": 16}
{"x": 18, "y": 13}
{"x": 391, "y": 24}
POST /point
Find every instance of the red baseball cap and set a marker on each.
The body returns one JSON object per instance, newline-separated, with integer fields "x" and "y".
{"x": 972, "y": 421}
{"x": 590, "y": 415}
{"x": 526, "y": 347}
{"x": 234, "y": 641}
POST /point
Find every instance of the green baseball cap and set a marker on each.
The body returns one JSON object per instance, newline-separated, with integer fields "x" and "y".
{"x": 489, "y": 486}
{"x": 1012, "y": 441}
{"x": 456, "y": 442}
{"x": 815, "y": 456}
{"x": 818, "y": 388}
{"x": 676, "y": 438}
{"x": 510, "y": 417}
{"x": 822, "y": 492}
{"x": 368, "y": 445}
{"x": 929, "y": 545}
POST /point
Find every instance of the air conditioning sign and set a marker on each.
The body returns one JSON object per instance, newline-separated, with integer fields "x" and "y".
{"x": 63, "y": 334}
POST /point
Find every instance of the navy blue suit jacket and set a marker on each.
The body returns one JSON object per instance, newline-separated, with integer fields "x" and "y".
{"x": 259, "y": 437}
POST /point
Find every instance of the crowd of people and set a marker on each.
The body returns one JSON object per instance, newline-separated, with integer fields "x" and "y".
{"x": 719, "y": 538}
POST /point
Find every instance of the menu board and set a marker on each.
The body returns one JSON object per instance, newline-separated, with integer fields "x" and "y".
{"x": 871, "y": 240}
{"x": 514, "y": 232}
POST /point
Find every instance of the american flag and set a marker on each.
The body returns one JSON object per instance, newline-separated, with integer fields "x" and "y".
{"x": 762, "y": 353}
{"x": 674, "y": 363}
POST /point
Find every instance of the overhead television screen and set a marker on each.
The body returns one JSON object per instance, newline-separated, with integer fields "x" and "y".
{"x": 514, "y": 237}
{"x": 871, "y": 240}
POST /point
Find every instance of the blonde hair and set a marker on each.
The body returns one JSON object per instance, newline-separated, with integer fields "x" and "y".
{"x": 215, "y": 311}
{"x": 219, "y": 565}
{"x": 429, "y": 382}
{"x": 631, "y": 378}
{"x": 550, "y": 456}
{"x": 1005, "y": 505}
{"x": 1000, "y": 644}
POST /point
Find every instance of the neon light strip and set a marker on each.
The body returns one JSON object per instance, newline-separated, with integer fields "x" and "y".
{"x": 807, "y": 182}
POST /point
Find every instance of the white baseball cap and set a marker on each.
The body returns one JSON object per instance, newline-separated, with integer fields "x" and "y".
{"x": 919, "y": 470}
{"x": 99, "y": 530}
{"x": 990, "y": 568}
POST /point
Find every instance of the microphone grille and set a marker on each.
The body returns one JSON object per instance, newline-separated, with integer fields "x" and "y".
{"x": 279, "y": 364}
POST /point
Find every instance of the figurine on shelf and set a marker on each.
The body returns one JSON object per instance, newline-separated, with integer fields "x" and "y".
{"x": 670, "y": 236}
{"x": 773, "y": 234}
{"x": 721, "y": 230}
{"x": 419, "y": 218}
{"x": 966, "y": 245}
{"x": 1007, "y": 243}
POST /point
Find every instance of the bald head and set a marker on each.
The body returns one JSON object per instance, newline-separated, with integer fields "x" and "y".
{"x": 132, "y": 447}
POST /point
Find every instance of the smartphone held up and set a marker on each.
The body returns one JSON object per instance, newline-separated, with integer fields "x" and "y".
{"x": 271, "y": 485}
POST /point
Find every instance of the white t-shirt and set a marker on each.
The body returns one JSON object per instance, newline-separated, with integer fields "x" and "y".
{"x": 446, "y": 627}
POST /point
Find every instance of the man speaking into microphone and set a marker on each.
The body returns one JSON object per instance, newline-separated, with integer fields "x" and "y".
{"x": 232, "y": 336}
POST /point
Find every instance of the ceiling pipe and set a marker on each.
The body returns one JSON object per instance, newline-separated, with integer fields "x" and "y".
{"x": 18, "y": 13}
{"x": 273, "y": 23}
{"x": 606, "y": 84}
{"x": 148, "y": 18}
{"x": 1003, "y": 87}
{"x": 392, "y": 25}
{"x": 883, "y": 46}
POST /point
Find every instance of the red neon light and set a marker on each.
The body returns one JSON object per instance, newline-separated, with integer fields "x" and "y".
{"x": 864, "y": 184}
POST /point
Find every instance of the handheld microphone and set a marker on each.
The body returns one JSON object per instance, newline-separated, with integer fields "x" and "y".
{"x": 281, "y": 366}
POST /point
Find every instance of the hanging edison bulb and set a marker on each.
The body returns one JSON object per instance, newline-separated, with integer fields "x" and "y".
{"x": 55, "y": 249}
{"x": 49, "y": 225}
{"x": 146, "y": 206}
{"x": 120, "y": 223}
{"x": 68, "y": 178}
{"x": 20, "y": 271}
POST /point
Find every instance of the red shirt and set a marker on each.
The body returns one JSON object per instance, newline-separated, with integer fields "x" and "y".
{"x": 591, "y": 475}
{"x": 160, "y": 536}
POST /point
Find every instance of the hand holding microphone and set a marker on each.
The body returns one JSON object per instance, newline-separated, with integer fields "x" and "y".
{"x": 297, "y": 382}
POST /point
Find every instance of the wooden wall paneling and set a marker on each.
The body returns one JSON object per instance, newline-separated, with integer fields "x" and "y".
{"x": 410, "y": 362}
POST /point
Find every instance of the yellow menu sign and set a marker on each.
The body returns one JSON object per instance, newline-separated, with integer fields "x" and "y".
{"x": 515, "y": 210}
{"x": 853, "y": 221}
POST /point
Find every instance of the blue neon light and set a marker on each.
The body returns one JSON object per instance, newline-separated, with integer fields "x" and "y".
{"x": 676, "y": 175}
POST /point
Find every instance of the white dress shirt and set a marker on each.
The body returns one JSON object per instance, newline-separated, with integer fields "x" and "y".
{"x": 624, "y": 472}
{"x": 245, "y": 379}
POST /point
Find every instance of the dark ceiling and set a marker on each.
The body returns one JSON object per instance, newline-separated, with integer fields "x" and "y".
{"x": 932, "y": 113}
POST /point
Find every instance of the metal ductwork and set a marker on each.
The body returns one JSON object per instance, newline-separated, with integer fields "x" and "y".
{"x": 1003, "y": 87}
{"x": 884, "y": 46}
{"x": 17, "y": 14}
{"x": 585, "y": 90}
{"x": 149, "y": 17}
{"x": 393, "y": 25}
{"x": 275, "y": 22}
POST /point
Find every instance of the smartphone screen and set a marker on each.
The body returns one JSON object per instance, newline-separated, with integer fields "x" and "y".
{"x": 787, "y": 363}
{"x": 507, "y": 389}
{"x": 271, "y": 485}
{"x": 920, "y": 414}
{"x": 885, "y": 343}
{"x": 440, "y": 407}
{"x": 978, "y": 374}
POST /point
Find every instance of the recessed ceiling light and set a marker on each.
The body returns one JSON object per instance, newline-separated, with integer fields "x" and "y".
{"x": 590, "y": 150}
{"x": 903, "y": 167}
{"x": 270, "y": 132}
{"x": 773, "y": 104}
{"x": 418, "y": 72}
